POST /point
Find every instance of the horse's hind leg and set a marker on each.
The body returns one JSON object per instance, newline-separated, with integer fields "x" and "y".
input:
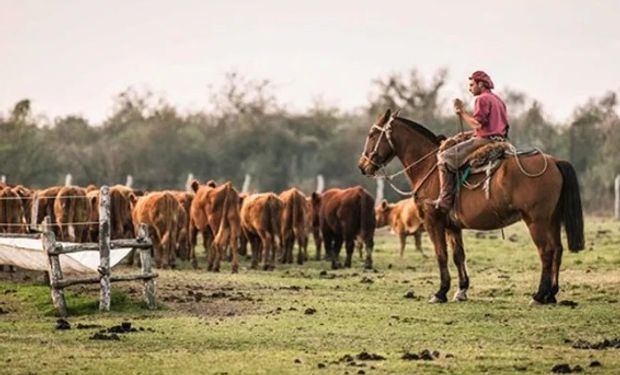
{"x": 543, "y": 237}
{"x": 557, "y": 260}
{"x": 455, "y": 239}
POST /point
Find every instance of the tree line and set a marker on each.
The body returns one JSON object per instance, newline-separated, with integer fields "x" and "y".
{"x": 248, "y": 131}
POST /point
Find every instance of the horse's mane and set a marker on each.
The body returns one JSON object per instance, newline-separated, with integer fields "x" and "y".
{"x": 420, "y": 129}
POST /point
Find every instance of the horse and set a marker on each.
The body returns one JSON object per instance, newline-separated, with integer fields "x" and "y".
{"x": 545, "y": 203}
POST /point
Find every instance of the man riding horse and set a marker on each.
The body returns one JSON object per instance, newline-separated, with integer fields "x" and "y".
{"x": 489, "y": 123}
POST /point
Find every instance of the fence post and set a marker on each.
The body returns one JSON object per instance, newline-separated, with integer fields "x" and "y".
{"x": 34, "y": 212}
{"x": 55, "y": 272}
{"x": 104, "y": 248}
{"x": 68, "y": 179}
{"x": 617, "y": 189}
{"x": 147, "y": 267}
{"x": 129, "y": 181}
{"x": 188, "y": 182}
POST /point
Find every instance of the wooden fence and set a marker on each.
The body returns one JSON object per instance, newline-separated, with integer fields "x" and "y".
{"x": 54, "y": 249}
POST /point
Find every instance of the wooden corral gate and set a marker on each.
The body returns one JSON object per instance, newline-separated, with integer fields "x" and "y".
{"x": 53, "y": 250}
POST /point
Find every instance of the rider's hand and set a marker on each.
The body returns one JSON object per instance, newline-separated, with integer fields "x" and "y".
{"x": 458, "y": 106}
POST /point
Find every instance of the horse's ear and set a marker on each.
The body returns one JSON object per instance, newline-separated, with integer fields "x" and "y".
{"x": 386, "y": 116}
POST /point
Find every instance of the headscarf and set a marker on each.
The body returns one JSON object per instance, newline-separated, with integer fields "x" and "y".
{"x": 480, "y": 76}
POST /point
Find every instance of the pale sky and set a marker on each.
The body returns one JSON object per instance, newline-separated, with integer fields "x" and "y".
{"x": 73, "y": 57}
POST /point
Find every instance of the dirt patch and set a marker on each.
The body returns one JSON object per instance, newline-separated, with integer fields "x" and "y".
{"x": 424, "y": 355}
{"x": 62, "y": 325}
{"x": 564, "y": 368}
{"x": 605, "y": 344}
{"x": 365, "y": 356}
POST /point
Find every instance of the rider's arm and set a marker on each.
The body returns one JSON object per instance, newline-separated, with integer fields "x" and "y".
{"x": 473, "y": 120}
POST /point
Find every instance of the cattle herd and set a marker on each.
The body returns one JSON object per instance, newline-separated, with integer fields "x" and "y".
{"x": 272, "y": 224}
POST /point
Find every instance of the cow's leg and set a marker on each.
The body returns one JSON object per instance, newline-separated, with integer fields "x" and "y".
{"x": 369, "y": 241}
{"x": 403, "y": 242}
{"x": 235, "y": 234}
{"x": 359, "y": 242}
{"x": 318, "y": 241}
{"x": 455, "y": 239}
{"x": 302, "y": 243}
{"x": 193, "y": 239}
{"x": 256, "y": 250}
{"x": 335, "y": 251}
{"x": 349, "y": 247}
{"x": 417, "y": 236}
{"x": 209, "y": 248}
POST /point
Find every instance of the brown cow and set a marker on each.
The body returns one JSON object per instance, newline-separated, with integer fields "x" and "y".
{"x": 72, "y": 212}
{"x": 160, "y": 212}
{"x": 344, "y": 215}
{"x": 215, "y": 214}
{"x": 184, "y": 249}
{"x": 46, "y": 199}
{"x": 121, "y": 205}
{"x": 12, "y": 218}
{"x": 294, "y": 225}
{"x": 260, "y": 221}
{"x": 404, "y": 220}
{"x": 26, "y": 196}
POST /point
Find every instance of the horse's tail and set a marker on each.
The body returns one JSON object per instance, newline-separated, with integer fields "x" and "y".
{"x": 569, "y": 206}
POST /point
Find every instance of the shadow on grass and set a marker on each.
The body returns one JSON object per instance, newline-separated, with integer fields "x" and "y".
{"x": 38, "y": 298}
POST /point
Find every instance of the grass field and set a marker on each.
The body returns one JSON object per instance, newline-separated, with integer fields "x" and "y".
{"x": 262, "y": 322}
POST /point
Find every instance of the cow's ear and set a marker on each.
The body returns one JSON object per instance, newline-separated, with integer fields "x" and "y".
{"x": 384, "y": 204}
{"x": 195, "y": 185}
{"x": 211, "y": 183}
{"x": 133, "y": 199}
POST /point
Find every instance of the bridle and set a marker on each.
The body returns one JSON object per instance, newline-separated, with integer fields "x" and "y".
{"x": 387, "y": 131}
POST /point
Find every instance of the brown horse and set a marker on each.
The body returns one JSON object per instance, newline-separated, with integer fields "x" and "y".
{"x": 545, "y": 202}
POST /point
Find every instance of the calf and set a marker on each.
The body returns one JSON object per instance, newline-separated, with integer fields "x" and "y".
{"x": 72, "y": 212}
{"x": 184, "y": 249}
{"x": 215, "y": 213}
{"x": 294, "y": 225}
{"x": 160, "y": 212}
{"x": 260, "y": 222}
{"x": 404, "y": 220}
{"x": 344, "y": 215}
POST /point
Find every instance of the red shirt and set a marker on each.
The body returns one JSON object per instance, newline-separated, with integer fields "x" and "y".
{"x": 490, "y": 112}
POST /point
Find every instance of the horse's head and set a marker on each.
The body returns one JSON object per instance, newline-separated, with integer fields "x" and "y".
{"x": 378, "y": 149}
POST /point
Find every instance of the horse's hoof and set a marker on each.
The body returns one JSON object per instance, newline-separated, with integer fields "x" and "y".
{"x": 534, "y": 303}
{"x": 435, "y": 299}
{"x": 460, "y": 295}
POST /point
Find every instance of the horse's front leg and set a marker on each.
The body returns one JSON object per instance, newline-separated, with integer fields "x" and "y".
{"x": 455, "y": 239}
{"x": 437, "y": 234}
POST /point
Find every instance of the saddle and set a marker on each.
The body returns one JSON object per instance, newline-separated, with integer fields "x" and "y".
{"x": 487, "y": 159}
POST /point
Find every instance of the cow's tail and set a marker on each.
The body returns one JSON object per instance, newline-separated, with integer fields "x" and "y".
{"x": 569, "y": 206}
{"x": 297, "y": 222}
{"x": 367, "y": 220}
{"x": 221, "y": 237}
{"x": 167, "y": 227}
{"x": 274, "y": 211}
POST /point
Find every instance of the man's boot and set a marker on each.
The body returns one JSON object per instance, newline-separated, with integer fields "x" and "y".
{"x": 446, "y": 184}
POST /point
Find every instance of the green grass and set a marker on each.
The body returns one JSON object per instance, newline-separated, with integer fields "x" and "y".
{"x": 494, "y": 332}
